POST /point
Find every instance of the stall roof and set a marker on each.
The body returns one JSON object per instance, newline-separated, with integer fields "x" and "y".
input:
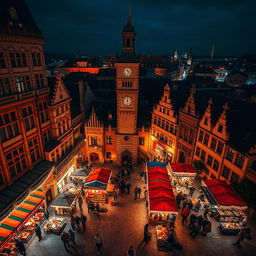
{"x": 81, "y": 173}
{"x": 224, "y": 194}
{"x": 64, "y": 200}
{"x": 182, "y": 168}
{"x": 15, "y": 219}
{"x": 97, "y": 178}
{"x": 156, "y": 164}
{"x": 156, "y": 170}
{"x": 159, "y": 185}
{"x": 158, "y": 177}
{"x": 163, "y": 205}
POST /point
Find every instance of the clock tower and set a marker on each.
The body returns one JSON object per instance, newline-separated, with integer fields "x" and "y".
{"x": 127, "y": 91}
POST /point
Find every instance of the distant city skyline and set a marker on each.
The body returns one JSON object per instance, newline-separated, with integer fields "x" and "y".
{"x": 94, "y": 27}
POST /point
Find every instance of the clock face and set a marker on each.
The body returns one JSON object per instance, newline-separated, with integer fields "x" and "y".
{"x": 127, "y": 72}
{"x": 127, "y": 101}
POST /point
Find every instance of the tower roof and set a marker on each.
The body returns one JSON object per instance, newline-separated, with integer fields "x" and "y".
{"x": 129, "y": 27}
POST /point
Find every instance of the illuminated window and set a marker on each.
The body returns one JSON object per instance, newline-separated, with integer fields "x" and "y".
{"x": 8, "y": 126}
{"x": 28, "y": 118}
{"x": 109, "y": 140}
{"x": 23, "y": 83}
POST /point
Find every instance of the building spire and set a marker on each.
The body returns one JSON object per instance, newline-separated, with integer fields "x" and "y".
{"x": 129, "y": 15}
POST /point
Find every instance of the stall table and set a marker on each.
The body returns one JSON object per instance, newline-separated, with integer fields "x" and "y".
{"x": 55, "y": 225}
{"x": 230, "y": 228}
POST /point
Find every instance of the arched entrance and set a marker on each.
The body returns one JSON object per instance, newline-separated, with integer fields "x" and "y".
{"x": 94, "y": 157}
{"x": 182, "y": 157}
{"x": 126, "y": 157}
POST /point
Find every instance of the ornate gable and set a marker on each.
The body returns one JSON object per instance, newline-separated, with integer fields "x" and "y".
{"x": 190, "y": 107}
{"x": 220, "y": 128}
{"x": 93, "y": 121}
{"x": 206, "y": 121}
{"x": 59, "y": 91}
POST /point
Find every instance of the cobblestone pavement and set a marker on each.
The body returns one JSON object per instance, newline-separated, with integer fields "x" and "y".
{"x": 122, "y": 226}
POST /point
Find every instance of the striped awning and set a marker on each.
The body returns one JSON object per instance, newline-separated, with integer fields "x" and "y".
{"x": 16, "y": 218}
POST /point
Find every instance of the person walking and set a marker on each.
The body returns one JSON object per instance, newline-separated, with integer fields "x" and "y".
{"x": 72, "y": 222}
{"x": 77, "y": 221}
{"x": 207, "y": 227}
{"x": 147, "y": 234}
{"x": 131, "y": 251}
{"x": 83, "y": 220}
{"x": 46, "y": 214}
{"x": 185, "y": 214}
{"x": 139, "y": 192}
{"x": 197, "y": 206}
{"x": 192, "y": 220}
{"x": 128, "y": 187}
{"x": 72, "y": 236}
{"x": 195, "y": 229}
{"x": 65, "y": 239}
{"x": 241, "y": 237}
{"x": 80, "y": 202}
{"x": 135, "y": 193}
{"x": 20, "y": 247}
{"x": 98, "y": 240}
{"x": 115, "y": 196}
{"x": 38, "y": 232}
{"x": 191, "y": 191}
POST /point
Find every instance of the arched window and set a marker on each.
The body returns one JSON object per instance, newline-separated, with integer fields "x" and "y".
{"x": 128, "y": 43}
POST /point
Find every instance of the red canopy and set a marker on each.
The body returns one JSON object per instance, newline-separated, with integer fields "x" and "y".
{"x": 182, "y": 168}
{"x": 100, "y": 174}
{"x": 163, "y": 205}
{"x": 159, "y": 185}
{"x": 156, "y": 169}
{"x": 223, "y": 193}
{"x": 158, "y": 176}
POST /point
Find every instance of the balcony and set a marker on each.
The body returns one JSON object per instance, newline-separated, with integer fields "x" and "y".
{"x": 251, "y": 175}
{"x": 69, "y": 156}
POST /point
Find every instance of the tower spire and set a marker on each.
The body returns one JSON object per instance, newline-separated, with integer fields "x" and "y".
{"x": 129, "y": 15}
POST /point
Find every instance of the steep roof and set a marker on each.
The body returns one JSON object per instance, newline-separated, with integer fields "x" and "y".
{"x": 17, "y": 19}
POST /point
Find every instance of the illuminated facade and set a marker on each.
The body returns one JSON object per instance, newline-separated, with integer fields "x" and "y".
{"x": 36, "y": 128}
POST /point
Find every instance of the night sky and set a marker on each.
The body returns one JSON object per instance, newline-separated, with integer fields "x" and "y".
{"x": 93, "y": 27}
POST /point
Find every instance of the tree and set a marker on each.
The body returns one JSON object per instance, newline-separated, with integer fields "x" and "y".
{"x": 199, "y": 166}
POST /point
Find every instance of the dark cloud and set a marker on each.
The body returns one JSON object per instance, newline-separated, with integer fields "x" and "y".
{"x": 94, "y": 27}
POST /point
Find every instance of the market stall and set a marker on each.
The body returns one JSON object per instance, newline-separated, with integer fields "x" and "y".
{"x": 96, "y": 184}
{"x": 65, "y": 203}
{"x": 55, "y": 225}
{"x": 20, "y": 223}
{"x": 226, "y": 205}
{"x": 182, "y": 176}
{"x": 80, "y": 175}
{"x": 161, "y": 198}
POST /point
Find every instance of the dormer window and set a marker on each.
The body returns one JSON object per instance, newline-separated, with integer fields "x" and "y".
{"x": 13, "y": 13}
{"x": 206, "y": 121}
{"x": 220, "y": 128}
